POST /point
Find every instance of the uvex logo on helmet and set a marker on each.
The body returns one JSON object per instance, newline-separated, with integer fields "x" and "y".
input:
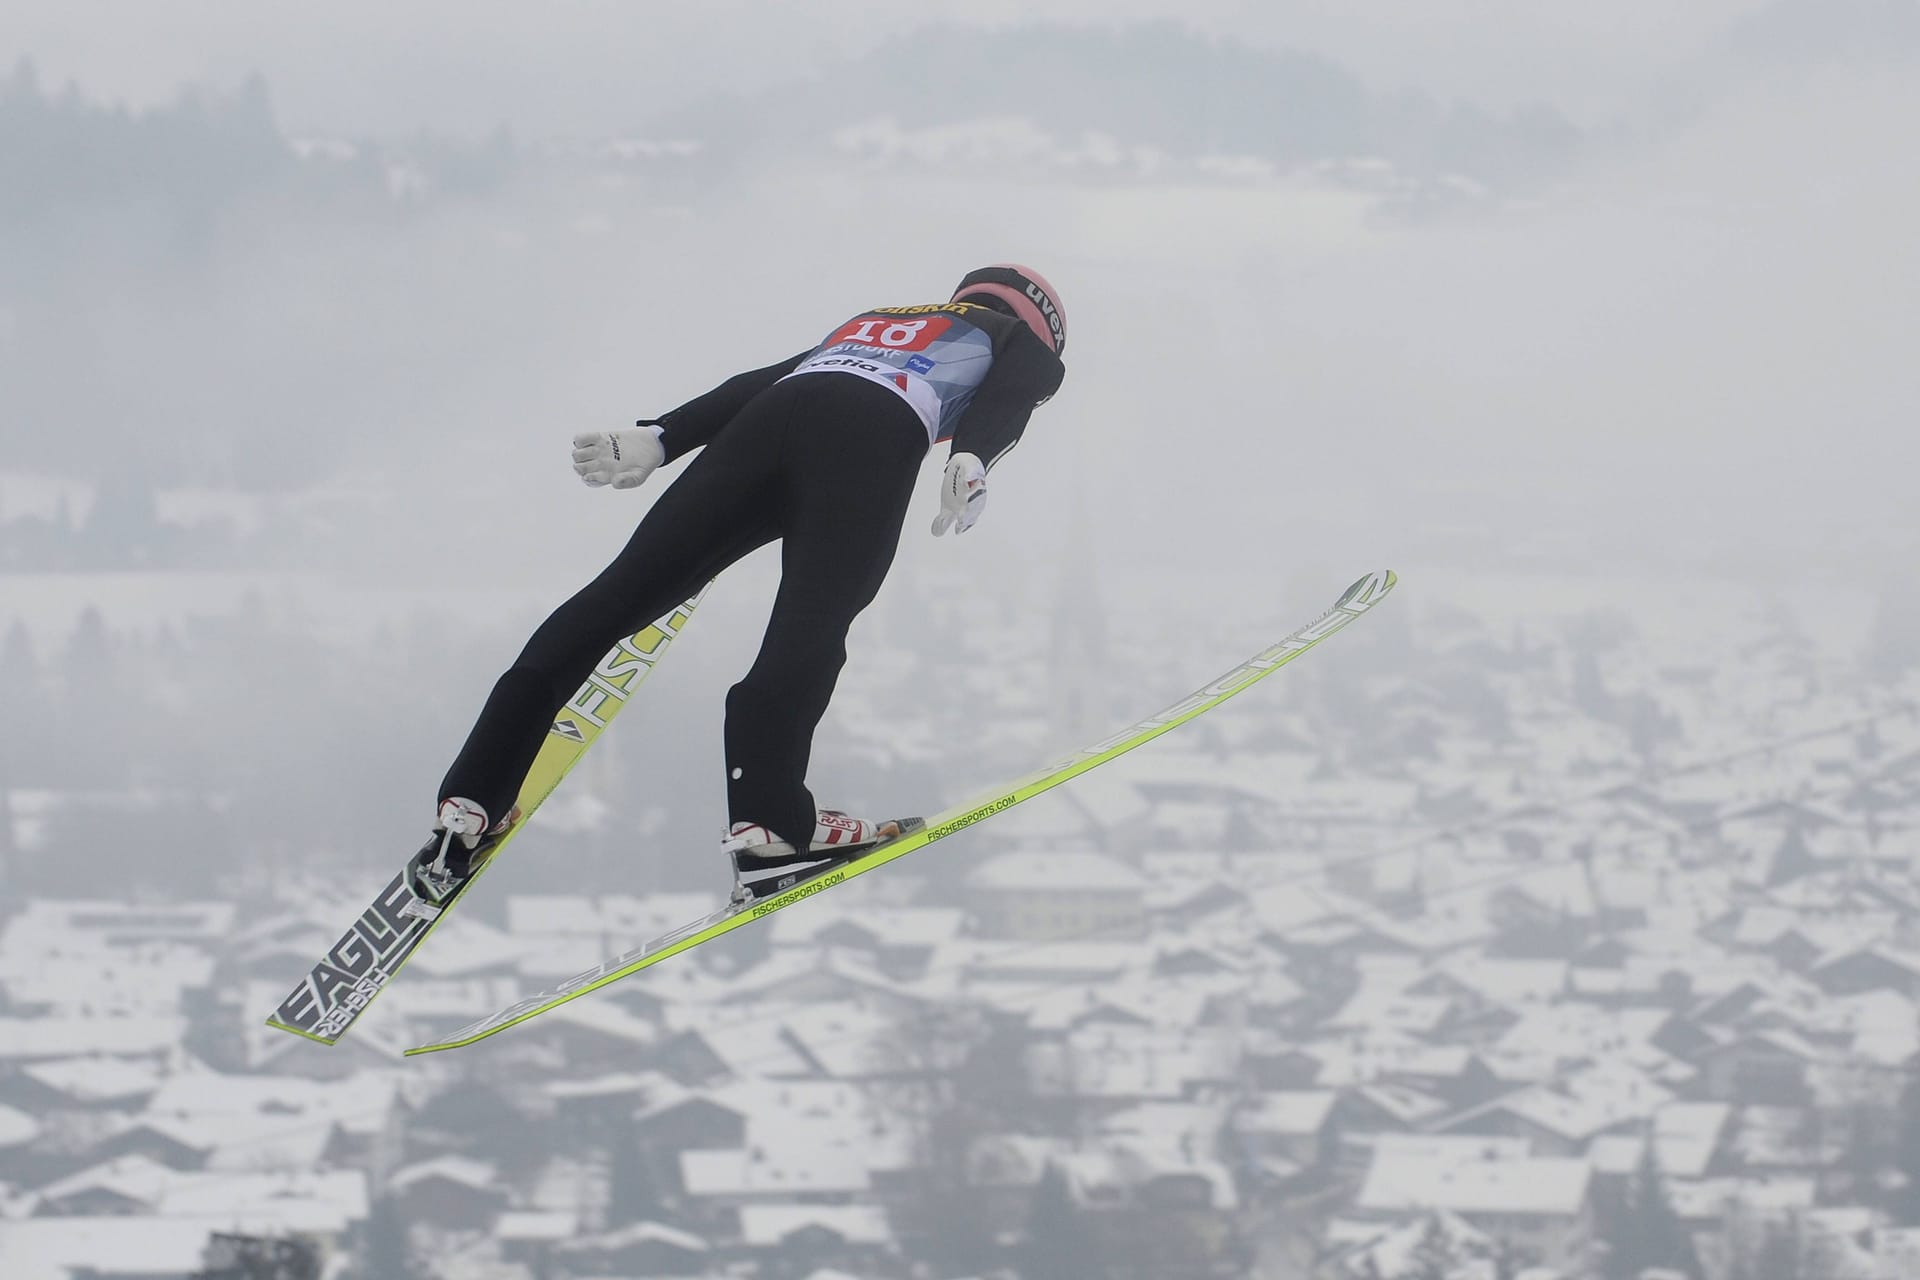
{"x": 1052, "y": 313}
{"x": 1027, "y": 294}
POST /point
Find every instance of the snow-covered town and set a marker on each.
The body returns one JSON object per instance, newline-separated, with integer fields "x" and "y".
{"x": 1530, "y": 956}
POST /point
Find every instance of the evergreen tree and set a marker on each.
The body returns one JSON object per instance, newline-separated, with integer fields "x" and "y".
{"x": 1509, "y": 1259}
{"x": 237, "y": 1257}
{"x": 1893, "y": 647}
{"x": 633, "y": 1189}
{"x": 1825, "y": 1256}
{"x": 24, "y": 707}
{"x": 1763, "y": 1248}
{"x": 1432, "y": 1257}
{"x": 123, "y": 525}
{"x": 478, "y": 1118}
{"x": 967, "y": 1081}
{"x": 1589, "y": 687}
{"x": 8, "y": 854}
{"x": 1648, "y": 726}
{"x": 385, "y": 1254}
{"x": 1906, "y": 1201}
{"x": 1645, "y": 1231}
{"x": 1061, "y": 1244}
{"x": 1786, "y": 1247}
{"x": 91, "y": 695}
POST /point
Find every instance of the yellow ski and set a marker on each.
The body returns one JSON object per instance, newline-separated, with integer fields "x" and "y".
{"x": 1358, "y": 598}
{"x": 338, "y": 989}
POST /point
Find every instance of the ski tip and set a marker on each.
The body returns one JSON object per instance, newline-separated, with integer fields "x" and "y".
{"x": 277, "y": 1025}
{"x": 1368, "y": 590}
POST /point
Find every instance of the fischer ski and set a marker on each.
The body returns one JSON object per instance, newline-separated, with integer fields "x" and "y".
{"x": 338, "y": 989}
{"x": 1357, "y": 599}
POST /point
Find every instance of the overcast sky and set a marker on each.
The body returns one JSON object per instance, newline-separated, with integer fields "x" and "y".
{"x": 1693, "y": 345}
{"x": 599, "y": 65}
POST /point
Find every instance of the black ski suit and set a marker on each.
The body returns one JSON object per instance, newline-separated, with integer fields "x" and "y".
{"x": 820, "y": 451}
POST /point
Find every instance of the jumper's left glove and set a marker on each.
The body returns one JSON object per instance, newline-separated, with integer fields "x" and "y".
{"x": 963, "y": 494}
{"x": 623, "y": 459}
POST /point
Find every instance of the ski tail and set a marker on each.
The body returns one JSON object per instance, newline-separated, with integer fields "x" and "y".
{"x": 338, "y": 989}
{"x": 1352, "y": 604}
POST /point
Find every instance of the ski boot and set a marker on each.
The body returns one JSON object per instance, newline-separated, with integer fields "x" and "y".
{"x": 460, "y": 845}
{"x": 764, "y": 864}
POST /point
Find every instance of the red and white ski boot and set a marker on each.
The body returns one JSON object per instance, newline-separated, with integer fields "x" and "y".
{"x": 764, "y": 864}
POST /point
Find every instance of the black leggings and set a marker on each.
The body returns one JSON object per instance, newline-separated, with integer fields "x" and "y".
{"x": 825, "y": 462}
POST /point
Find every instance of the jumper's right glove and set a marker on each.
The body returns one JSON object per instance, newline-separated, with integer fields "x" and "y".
{"x": 963, "y": 494}
{"x": 623, "y": 459}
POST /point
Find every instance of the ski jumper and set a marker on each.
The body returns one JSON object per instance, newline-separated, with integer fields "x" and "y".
{"x": 819, "y": 452}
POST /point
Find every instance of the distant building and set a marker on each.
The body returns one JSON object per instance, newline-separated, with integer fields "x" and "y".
{"x": 642, "y": 1249}
{"x": 1539, "y": 1205}
{"x": 452, "y": 1192}
{"x": 1033, "y": 897}
{"x": 1283, "y": 1135}
{"x": 1759, "y": 1068}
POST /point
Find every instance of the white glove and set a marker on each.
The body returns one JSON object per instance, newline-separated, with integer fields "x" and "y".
{"x": 623, "y": 459}
{"x": 963, "y": 494}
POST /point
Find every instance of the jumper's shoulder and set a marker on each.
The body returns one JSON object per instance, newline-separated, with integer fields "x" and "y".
{"x": 972, "y": 311}
{"x": 1028, "y": 363}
